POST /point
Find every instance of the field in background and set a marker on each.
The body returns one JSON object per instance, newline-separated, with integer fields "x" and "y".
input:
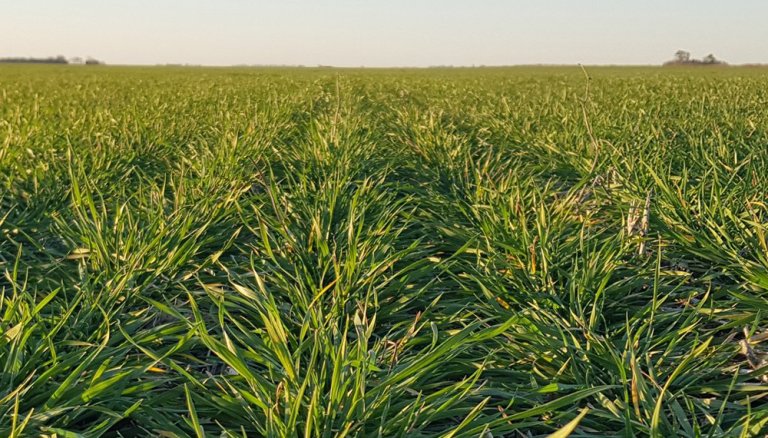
{"x": 319, "y": 252}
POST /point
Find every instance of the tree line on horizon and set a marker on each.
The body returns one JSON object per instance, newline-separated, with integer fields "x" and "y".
{"x": 683, "y": 57}
{"x": 51, "y": 60}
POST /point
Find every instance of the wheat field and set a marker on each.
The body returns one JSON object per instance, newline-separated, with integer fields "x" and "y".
{"x": 495, "y": 252}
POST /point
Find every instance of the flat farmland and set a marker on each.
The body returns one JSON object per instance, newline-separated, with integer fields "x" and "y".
{"x": 469, "y": 252}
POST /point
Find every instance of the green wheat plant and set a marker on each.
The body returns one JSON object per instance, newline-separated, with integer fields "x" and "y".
{"x": 497, "y": 252}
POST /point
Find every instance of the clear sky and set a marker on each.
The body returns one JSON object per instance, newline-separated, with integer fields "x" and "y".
{"x": 385, "y": 32}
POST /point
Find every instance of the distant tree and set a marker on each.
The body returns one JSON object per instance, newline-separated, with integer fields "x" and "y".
{"x": 710, "y": 59}
{"x": 682, "y": 56}
{"x": 93, "y": 61}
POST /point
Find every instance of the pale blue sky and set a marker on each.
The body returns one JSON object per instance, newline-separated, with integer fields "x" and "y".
{"x": 385, "y": 33}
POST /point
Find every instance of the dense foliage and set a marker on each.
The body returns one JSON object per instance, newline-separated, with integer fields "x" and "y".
{"x": 458, "y": 252}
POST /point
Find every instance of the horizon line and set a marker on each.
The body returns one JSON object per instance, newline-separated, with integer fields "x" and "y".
{"x": 414, "y": 67}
